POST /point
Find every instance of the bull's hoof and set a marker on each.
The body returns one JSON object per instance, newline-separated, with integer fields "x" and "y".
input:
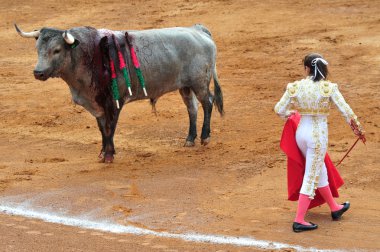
{"x": 189, "y": 144}
{"x": 108, "y": 158}
{"x": 105, "y": 158}
{"x": 205, "y": 141}
{"x": 101, "y": 157}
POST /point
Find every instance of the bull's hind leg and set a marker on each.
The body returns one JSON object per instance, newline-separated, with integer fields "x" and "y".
{"x": 206, "y": 99}
{"x": 192, "y": 108}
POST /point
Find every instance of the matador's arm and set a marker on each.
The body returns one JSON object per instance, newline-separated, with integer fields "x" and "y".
{"x": 346, "y": 111}
{"x": 282, "y": 107}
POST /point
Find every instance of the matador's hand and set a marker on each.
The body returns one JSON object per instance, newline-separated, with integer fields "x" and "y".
{"x": 362, "y": 137}
{"x": 358, "y": 130}
{"x": 289, "y": 113}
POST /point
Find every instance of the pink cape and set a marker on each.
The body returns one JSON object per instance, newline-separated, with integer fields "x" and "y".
{"x": 296, "y": 164}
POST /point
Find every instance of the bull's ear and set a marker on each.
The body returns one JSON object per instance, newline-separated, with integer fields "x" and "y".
{"x": 70, "y": 40}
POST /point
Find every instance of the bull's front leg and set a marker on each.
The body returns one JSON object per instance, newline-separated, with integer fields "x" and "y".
{"x": 107, "y": 127}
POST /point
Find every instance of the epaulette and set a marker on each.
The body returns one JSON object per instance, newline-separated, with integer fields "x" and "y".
{"x": 326, "y": 88}
{"x": 292, "y": 89}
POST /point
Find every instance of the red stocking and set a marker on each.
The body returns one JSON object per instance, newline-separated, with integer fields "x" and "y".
{"x": 327, "y": 196}
{"x": 303, "y": 205}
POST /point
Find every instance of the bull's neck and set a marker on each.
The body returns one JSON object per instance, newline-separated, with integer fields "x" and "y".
{"x": 77, "y": 78}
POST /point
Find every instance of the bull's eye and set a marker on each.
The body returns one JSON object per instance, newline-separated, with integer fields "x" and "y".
{"x": 56, "y": 51}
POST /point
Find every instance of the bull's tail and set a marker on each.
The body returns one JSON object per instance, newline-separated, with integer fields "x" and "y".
{"x": 218, "y": 94}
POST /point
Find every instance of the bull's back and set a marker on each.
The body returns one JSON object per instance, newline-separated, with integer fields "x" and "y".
{"x": 170, "y": 57}
{"x": 175, "y": 40}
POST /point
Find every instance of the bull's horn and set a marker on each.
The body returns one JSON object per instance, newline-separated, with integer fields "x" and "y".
{"x": 68, "y": 38}
{"x": 33, "y": 34}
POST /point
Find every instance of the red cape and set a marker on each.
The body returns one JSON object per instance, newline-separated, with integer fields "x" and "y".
{"x": 296, "y": 164}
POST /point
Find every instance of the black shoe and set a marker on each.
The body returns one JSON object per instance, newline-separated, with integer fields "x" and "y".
{"x": 338, "y": 214}
{"x": 298, "y": 227}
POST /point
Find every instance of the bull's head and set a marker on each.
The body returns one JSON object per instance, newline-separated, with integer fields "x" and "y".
{"x": 53, "y": 47}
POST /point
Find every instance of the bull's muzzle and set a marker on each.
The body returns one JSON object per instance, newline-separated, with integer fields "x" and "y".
{"x": 40, "y": 75}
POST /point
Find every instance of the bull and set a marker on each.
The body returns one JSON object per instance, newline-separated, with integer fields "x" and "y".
{"x": 180, "y": 58}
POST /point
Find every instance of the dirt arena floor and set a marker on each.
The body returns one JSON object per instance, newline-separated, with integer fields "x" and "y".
{"x": 235, "y": 186}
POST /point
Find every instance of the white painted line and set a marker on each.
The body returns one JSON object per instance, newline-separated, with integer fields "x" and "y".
{"x": 108, "y": 226}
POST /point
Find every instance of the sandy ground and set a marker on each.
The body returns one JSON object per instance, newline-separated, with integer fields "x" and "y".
{"x": 236, "y": 185}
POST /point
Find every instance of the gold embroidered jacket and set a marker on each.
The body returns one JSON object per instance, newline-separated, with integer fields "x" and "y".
{"x": 313, "y": 98}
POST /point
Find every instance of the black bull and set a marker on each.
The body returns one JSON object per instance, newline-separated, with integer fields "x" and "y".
{"x": 171, "y": 59}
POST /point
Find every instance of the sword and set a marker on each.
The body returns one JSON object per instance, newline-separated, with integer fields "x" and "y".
{"x": 357, "y": 140}
{"x": 355, "y": 128}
